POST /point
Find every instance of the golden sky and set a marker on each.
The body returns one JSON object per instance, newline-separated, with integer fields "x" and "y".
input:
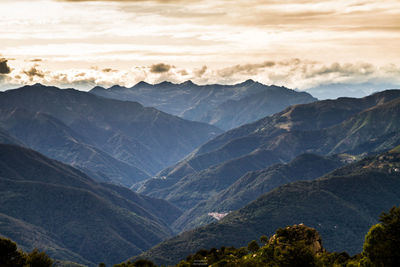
{"x": 295, "y": 43}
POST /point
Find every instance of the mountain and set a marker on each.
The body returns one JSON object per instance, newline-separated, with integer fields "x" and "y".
{"x": 51, "y": 137}
{"x": 202, "y": 185}
{"x": 345, "y": 125}
{"x": 109, "y": 139}
{"x": 6, "y": 138}
{"x": 56, "y": 208}
{"x": 335, "y": 90}
{"x": 342, "y": 206}
{"x": 225, "y": 106}
{"x": 256, "y": 183}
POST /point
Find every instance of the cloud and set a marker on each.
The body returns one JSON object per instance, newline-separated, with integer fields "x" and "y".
{"x": 34, "y": 72}
{"x": 304, "y": 74}
{"x": 132, "y": 1}
{"x": 199, "y": 72}
{"x": 160, "y": 68}
{"x": 349, "y": 70}
{"x": 183, "y": 72}
{"x": 108, "y": 70}
{"x": 294, "y": 73}
{"x": 248, "y": 69}
{"x": 4, "y": 68}
{"x": 217, "y": 33}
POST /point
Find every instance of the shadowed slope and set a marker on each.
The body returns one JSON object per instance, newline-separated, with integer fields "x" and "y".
{"x": 341, "y": 206}
{"x": 82, "y": 219}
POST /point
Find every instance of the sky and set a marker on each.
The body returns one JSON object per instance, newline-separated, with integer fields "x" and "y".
{"x": 299, "y": 44}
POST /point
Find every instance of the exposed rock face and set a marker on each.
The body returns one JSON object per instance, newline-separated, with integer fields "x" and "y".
{"x": 297, "y": 233}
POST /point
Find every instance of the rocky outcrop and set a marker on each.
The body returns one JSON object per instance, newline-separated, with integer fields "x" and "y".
{"x": 292, "y": 235}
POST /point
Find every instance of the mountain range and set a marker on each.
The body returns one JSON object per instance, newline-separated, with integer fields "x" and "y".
{"x": 51, "y": 206}
{"x": 255, "y": 183}
{"x": 335, "y": 90}
{"x": 225, "y": 106}
{"x": 345, "y": 125}
{"x": 68, "y": 157}
{"x": 111, "y": 140}
{"x": 342, "y": 206}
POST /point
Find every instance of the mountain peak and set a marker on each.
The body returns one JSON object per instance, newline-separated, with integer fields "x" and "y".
{"x": 189, "y": 83}
{"x": 38, "y": 85}
{"x": 165, "y": 83}
{"x": 97, "y": 88}
{"x": 142, "y": 84}
{"x": 248, "y": 82}
{"x": 116, "y": 86}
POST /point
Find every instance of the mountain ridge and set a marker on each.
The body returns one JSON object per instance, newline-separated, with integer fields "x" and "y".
{"x": 81, "y": 219}
{"x": 225, "y": 106}
{"x": 305, "y": 128}
{"x": 256, "y": 183}
{"x": 122, "y": 132}
{"x": 342, "y": 206}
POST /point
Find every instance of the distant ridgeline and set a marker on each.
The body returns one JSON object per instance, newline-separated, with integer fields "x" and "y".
{"x": 112, "y": 141}
{"x": 225, "y": 106}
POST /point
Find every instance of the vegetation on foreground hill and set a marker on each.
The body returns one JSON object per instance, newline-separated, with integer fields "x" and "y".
{"x": 296, "y": 245}
{"x": 299, "y": 245}
{"x": 341, "y": 206}
{"x": 11, "y": 256}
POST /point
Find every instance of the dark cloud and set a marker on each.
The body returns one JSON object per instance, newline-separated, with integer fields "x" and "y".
{"x": 34, "y": 72}
{"x": 348, "y": 69}
{"x": 160, "y": 68}
{"x": 249, "y": 69}
{"x": 4, "y": 68}
{"x": 108, "y": 70}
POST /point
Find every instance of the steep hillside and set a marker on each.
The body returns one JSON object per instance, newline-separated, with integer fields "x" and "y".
{"x": 327, "y": 127}
{"x": 225, "y": 106}
{"x": 52, "y": 206}
{"x": 202, "y": 185}
{"x": 53, "y": 138}
{"x": 6, "y": 138}
{"x": 256, "y": 183}
{"x": 341, "y": 206}
{"x": 137, "y": 140}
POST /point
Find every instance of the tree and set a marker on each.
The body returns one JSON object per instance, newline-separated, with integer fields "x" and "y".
{"x": 375, "y": 245}
{"x": 10, "y": 256}
{"x": 383, "y": 240}
{"x": 253, "y": 246}
{"x": 38, "y": 259}
{"x": 264, "y": 239}
{"x": 296, "y": 254}
{"x": 143, "y": 263}
{"x": 137, "y": 263}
